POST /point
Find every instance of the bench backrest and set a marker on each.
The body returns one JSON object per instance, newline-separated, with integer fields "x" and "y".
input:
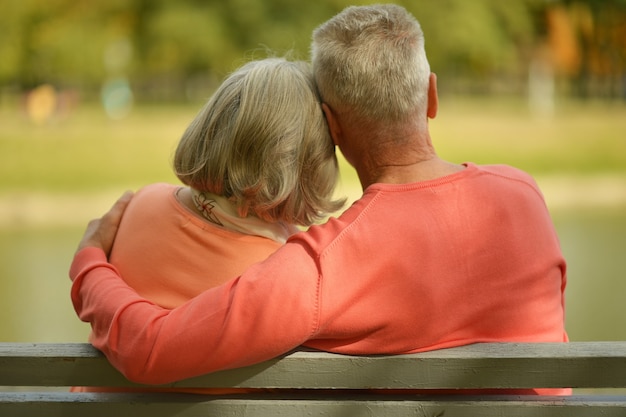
{"x": 588, "y": 365}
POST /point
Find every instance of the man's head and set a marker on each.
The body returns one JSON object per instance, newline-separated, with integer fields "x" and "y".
{"x": 370, "y": 61}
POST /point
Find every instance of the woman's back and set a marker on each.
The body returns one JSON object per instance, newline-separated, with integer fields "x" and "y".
{"x": 168, "y": 254}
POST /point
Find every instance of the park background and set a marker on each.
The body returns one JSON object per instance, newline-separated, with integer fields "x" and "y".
{"x": 95, "y": 95}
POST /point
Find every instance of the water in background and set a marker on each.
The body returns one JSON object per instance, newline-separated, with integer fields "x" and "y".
{"x": 594, "y": 244}
{"x": 34, "y": 283}
{"x": 34, "y": 286}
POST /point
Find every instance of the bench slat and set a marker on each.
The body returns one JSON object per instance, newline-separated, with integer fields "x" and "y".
{"x": 489, "y": 365}
{"x": 157, "y": 405}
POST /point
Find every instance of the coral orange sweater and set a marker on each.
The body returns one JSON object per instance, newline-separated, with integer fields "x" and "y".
{"x": 470, "y": 257}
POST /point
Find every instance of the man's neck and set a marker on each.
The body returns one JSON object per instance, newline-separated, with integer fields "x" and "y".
{"x": 423, "y": 168}
{"x": 398, "y": 154}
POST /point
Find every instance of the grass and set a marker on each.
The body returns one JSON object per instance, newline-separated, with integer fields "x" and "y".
{"x": 86, "y": 151}
{"x": 579, "y": 139}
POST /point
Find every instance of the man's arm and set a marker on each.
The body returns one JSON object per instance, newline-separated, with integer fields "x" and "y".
{"x": 101, "y": 232}
{"x": 269, "y": 310}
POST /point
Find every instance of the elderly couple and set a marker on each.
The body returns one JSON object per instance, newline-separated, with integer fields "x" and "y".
{"x": 215, "y": 274}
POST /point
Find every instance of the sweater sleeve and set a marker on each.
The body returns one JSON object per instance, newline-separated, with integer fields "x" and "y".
{"x": 266, "y": 312}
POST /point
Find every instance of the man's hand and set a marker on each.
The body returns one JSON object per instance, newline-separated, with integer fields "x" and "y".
{"x": 101, "y": 232}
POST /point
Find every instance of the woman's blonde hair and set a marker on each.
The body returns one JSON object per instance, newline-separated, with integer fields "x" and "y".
{"x": 371, "y": 61}
{"x": 262, "y": 141}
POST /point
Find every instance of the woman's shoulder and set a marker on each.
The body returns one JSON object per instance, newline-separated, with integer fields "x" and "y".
{"x": 156, "y": 191}
{"x": 152, "y": 197}
{"x": 157, "y": 188}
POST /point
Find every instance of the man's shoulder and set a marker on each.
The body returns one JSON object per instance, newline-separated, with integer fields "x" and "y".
{"x": 509, "y": 179}
{"x": 323, "y": 235}
{"x": 507, "y": 172}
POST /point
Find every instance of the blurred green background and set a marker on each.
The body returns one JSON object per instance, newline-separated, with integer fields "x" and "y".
{"x": 95, "y": 95}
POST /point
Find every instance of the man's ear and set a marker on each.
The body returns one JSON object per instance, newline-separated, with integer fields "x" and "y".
{"x": 333, "y": 124}
{"x": 433, "y": 98}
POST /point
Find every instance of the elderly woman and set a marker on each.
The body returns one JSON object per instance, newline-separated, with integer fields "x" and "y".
{"x": 257, "y": 161}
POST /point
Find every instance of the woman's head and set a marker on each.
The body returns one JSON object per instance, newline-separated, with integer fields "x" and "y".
{"x": 262, "y": 141}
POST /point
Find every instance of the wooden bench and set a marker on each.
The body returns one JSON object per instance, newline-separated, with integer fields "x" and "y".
{"x": 35, "y": 378}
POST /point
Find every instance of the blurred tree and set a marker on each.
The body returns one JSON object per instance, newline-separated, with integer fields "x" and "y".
{"x": 171, "y": 50}
{"x": 586, "y": 43}
{"x": 601, "y": 30}
{"x": 475, "y": 43}
{"x": 58, "y": 41}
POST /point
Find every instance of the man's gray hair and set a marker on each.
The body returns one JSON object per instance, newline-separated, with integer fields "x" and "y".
{"x": 371, "y": 61}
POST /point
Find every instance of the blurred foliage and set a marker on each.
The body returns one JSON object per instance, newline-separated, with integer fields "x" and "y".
{"x": 173, "y": 49}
